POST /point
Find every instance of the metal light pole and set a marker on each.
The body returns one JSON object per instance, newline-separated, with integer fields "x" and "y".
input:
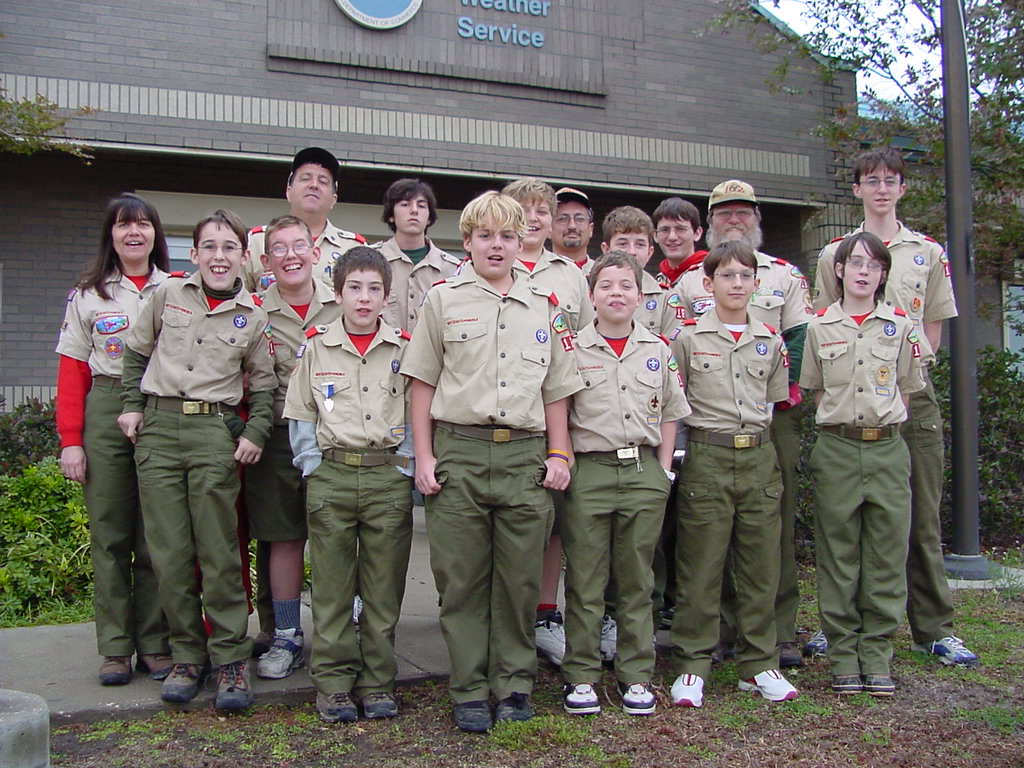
{"x": 966, "y": 561}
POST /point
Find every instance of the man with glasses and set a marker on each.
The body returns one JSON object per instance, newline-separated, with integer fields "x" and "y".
{"x": 919, "y": 283}
{"x": 677, "y": 231}
{"x": 573, "y": 225}
{"x": 781, "y": 300}
{"x": 312, "y": 191}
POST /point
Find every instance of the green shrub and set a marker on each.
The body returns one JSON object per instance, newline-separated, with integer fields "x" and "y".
{"x": 1000, "y": 459}
{"x": 44, "y": 542}
{"x": 28, "y": 434}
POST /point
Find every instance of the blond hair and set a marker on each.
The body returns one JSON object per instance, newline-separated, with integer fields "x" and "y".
{"x": 529, "y": 189}
{"x": 495, "y": 210}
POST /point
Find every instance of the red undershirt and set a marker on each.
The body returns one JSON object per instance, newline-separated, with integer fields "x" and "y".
{"x": 858, "y": 319}
{"x": 362, "y": 341}
{"x": 301, "y": 310}
{"x": 583, "y": 263}
{"x": 139, "y": 280}
{"x": 617, "y": 345}
{"x": 736, "y": 334}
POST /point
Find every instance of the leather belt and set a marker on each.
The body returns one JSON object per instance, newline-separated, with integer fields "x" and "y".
{"x": 356, "y": 459}
{"x": 862, "y": 433}
{"x": 107, "y": 381}
{"x": 188, "y": 407}
{"x": 490, "y": 434}
{"x": 728, "y": 441}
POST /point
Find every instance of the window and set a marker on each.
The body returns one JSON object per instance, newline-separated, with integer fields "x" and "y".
{"x": 178, "y": 247}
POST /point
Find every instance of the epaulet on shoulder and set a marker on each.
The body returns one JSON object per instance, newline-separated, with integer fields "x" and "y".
{"x": 836, "y": 240}
{"x": 899, "y": 312}
{"x": 772, "y": 329}
{"x": 179, "y": 273}
{"x": 404, "y": 334}
{"x": 665, "y": 286}
{"x": 257, "y": 300}
{"x": 821, "y": 312}
{"x": 553, "y": 299}
{"x": 690, "y": 321}
{"x": 439, "y": 282}
{"x": 353, "y": 236}
{"x": 777, "y": 260}
{"x": 665, "y": 339}
{"x": 311, "y": 332}
{"x": 930, "y": 239}
{"x": 257, "y": 230}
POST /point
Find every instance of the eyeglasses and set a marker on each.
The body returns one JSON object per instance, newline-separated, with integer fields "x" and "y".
{"x": 739, "y": 213}
{"x": 871, "y": 264}
{"x": 280, "y": 250}
{"x": 228, "y": 249}
{"x": 666, "y": 231}
{"x": 578, "y": 219}
{"x": 746, "y": 277}
{"x": 875, "y": 181}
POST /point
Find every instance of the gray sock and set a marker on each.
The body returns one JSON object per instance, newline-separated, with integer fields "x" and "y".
{"x": 286, "y": 614}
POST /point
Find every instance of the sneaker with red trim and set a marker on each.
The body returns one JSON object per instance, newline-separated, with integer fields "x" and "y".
{"x": 688, "y": 691}
{"x": 771, "y": 684}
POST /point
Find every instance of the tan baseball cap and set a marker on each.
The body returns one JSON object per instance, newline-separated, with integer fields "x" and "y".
{"x": 731, "y": 191}
{"x": 568, "y": 194}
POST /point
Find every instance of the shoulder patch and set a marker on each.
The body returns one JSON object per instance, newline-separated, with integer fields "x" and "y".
{"x": 257, "y": 230}
{"x": 314, "y": 330}
{"x": 821, "y": 312}
{"x": 179, "y": 273}
{"x": 771, "y": 328}
{"x": 257, "y": 300}
{"x": 404, "y": 334}
{"x": 899, "y": 312}
{"x": 690, "y": 321}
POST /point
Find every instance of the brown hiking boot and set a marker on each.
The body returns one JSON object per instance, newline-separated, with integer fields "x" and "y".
{"x": 233, "y": 690}
{"x": 182, "y": 683}
{"x": 158, "y": 665}
{"x": 116, "y": 670}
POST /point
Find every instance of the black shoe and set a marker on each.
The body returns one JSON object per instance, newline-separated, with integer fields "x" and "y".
{"x": 514, "y": 707}
{"x": 336, "y": 707}
{"x": 473, "y": 716}
{"x": 379, "y": 704}
{"x": 878, "y": 685}
{"x": 789, "y": 656}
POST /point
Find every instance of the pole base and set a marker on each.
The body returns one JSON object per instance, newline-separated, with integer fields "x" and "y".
{"x": 969, "y": 567}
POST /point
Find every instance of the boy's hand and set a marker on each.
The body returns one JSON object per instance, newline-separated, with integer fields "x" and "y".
{"x": 426, "y": 482}
{"x": 130, "y": 424}
{"x": 247, "y": 451}
{"x": 557, "y": 474}
{"x": 72, "y": 463}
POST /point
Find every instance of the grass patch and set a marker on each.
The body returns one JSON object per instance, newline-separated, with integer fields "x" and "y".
{"x": 1007, "y": 721}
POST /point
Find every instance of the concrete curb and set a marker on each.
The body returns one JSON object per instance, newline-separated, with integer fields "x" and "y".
{"x": 24, "y": 730}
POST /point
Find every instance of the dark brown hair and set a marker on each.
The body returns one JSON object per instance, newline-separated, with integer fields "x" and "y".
{"x": 362, "y": 257}
{"x": 730, "y": 250}
{"x": 615, "y": 259}
{"x": 677, "y": 208}
{"x": 880, "y": 157}
{"x": 875, "y": 248}
{"x": 407, "y": 189}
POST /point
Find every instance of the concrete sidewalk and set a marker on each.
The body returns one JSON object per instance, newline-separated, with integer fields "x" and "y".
{"x": 59, "y": 663}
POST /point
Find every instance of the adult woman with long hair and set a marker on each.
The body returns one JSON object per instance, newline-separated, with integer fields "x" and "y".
{"x": 131, "y": 262}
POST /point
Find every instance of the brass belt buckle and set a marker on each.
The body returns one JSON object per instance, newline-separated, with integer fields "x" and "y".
{"x": 501, "y": 435}
{"x": 352, "y": 459}
{"x": 742, "y": 441}
{"x": 191, "y": 407}
{"x": 628, "y": 453}
{"x": 870, "y": 433}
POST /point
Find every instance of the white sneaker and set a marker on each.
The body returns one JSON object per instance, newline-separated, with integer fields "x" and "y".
{"x": 549, "y": 634}
{"x": 770, "y": 684}
{"x": 688, "y": 691}
{"x": 581, "y": 699}
{"x": 639, "y": 699}
{"x": 284, "y": 656}
{"x": 609, "y": 638}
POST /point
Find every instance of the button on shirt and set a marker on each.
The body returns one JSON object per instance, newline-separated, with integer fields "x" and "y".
{"x": 493, "y": 359}
{"x": 918, "y": 283}
{"x": 95, "y": 330}
{"x": 410, "y": 282}
{"x": 198, "y": 353}
{"x": 367, "y": 392}
{"x": 731, "y": 385}
{"x": 625, "y": 399}
{"x": 862, "y": 369}
{"x": 560, "y": 275}
{"x": 288, "y": 333}
{"x": 332, "y": 242}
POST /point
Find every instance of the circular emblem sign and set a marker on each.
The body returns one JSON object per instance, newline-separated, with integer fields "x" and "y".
{"x": 379, "y": 14}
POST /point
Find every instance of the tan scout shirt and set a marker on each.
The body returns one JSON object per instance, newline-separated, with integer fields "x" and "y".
{"x": 660, "y": 310}
{"x": 919, "y": 282}
{"x": 626, "y": 399}
{"x": 202, "y": 354}
{"x": 781, "y": 298}
{"x": 731, "y": 385}
{"x": 862, "y": 369}
{"x": 368, "y": 393}
{"x": 410, "y": 282}
{"x": 95, "y": 330}
{"x": 288, "y": 333}
{"x": 562, "y": 277}
{"x": 332, "y": 242}
{"x": 493, "y": 359}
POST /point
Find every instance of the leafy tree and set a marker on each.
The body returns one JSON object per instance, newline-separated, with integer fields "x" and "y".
{"x": 32, "y": 125}
{"x": 899, "y": 43}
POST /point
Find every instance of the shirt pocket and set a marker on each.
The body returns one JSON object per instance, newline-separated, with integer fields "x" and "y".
{"x": 174, "y": 331}
{"x": 233, "y": 342}
{"x": 767, "y": 301}
{"x": 913, "y": 286}
{"x": 466, "y": 347}
{"x": 533, "y": 367}
{"x": 757, "y": 369}
{"x": 836, "y": 363}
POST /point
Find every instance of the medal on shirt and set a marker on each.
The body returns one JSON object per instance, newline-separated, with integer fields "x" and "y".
{"x": 328, "y": 396}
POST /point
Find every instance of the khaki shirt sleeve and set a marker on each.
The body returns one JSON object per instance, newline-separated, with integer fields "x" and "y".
{"x": 142, "y": 338}
{"x": 75, "y": 333}
{"x": 676, "y": 405}
{"x": 826, "y": 288}
{"x": 939, "y": 301}
{"x": 562, "y": 377}
{"x": 810, "y": 369}
{"x": 797, "y": 309}
{"x": 586, "y": 313}
{"x": 778, "y": 379}
{"x": 298, "y": 401}
{"x": 424, "y": 354}
{"x": 909, "y": 372}
{"x": 257, "y": 361}
{"x": 669, "y": 319}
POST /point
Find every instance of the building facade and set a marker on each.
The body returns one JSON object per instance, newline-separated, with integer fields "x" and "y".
{"x": 201, "y": 103}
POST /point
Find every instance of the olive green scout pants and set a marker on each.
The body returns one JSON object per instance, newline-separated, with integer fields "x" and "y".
{"x": 612, "y": 522}
{"x": 128, "y": 615}
{"x": 862, "y": 520}
{"x": 785, "y": 431}
{"x": 728, "y": 500}
{"x": 487, "y": 528}
{"x": 360, "y": 532}
{"x": 189, "y": 483}
{"x": 929, "y": 602}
